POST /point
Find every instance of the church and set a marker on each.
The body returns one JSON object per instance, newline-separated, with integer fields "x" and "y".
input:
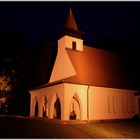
{"x": 86, "y": 83}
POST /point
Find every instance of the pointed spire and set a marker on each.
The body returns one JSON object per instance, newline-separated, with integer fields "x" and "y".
{"x": 70, "y": 22}
{"x": 70, "y": 27}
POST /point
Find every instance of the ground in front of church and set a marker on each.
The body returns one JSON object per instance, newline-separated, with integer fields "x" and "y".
{"x": 25, "y": 127}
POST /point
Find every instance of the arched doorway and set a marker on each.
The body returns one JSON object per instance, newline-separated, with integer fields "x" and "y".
{"x": 45, "y": 107}
{"x": 74, "y": 112}
{"x": 36, "y": 108}
{"x": 57, "y": 109}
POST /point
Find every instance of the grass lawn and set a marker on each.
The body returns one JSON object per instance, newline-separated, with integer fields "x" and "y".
{"x": 111, "y": 130}
{"x": 16, "y": 127}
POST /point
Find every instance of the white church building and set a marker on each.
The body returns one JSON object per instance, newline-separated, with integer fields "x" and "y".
{"x": 86, "y": 83}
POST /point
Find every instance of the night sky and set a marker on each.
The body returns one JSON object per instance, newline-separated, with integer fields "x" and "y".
{"x": 119, "y": 19}
{"x": 113, "y": 26}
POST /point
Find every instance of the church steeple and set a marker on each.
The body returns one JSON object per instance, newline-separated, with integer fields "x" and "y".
{"x": 70, "y": 28}
{"x": 70, "y": 22}
{"x": 70, "y": 37}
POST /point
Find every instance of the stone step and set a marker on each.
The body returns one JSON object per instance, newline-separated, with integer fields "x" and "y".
{"x": 74, "y": 122}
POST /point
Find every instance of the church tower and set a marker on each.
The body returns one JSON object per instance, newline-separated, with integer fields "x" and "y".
{"x": 70, "y": 37}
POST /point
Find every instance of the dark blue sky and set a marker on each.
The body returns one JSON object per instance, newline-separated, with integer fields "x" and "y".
{"x": 119, "y": 19}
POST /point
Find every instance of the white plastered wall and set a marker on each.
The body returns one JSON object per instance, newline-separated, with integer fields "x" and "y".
{"x": 50, "y": 93}
{"x": 35, "y": 97}
{"x": 80, "y": 91}
{"x": 63, "y": 67}
{"x": 66, "y": 42}
{"x": 103, "y": 103}
{"x": 65, "y": 93}
{"x": 111, "y": 103}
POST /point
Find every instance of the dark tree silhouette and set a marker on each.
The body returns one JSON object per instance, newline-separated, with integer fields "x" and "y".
{"x": 14, "y": 46}
{"x": 42, "y": 57}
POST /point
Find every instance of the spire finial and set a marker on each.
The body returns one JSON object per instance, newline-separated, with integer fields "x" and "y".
{"x": 70, "y": 22}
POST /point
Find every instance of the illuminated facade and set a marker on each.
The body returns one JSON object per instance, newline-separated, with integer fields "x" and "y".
{"x": 85, "y": 84}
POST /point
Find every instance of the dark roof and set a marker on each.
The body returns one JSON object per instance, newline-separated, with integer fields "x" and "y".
{"x": 97, "y": 67}
{"x": 70, "y": 27}
{"x": 70, "y": 22}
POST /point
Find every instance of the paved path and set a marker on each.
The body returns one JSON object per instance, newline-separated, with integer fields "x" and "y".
{"x": 69, "y": 129}
{"x": 73, "y": 132}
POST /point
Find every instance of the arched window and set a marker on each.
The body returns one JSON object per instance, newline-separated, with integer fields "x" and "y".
{"x": 57, "y": 109}
{"x": 74, "y": 112}
{"x": 36, "y": 108}
{"x": 45, "y": 107}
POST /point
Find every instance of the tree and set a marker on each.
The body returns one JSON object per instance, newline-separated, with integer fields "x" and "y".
{"x": 14, "y": 72}
{"x": 5, "y": 88}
